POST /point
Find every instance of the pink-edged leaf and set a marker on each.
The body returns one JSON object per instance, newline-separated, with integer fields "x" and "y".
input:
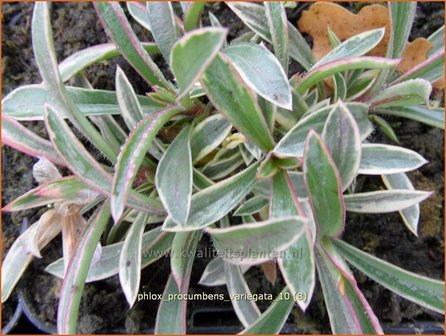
{"x": 132, "y": 155}
{"x": 82, "y": 163}
{"x": 408, "y": 93}
{"x": 174, "y": 177}
{"x": 131, "y": 257}
{"x": 422, "y": 290}
{"x": 343, "y": 139}
{"x": 246, "y": 310}
{"x": 348, "y": 310}
{"x": 192, "y": 15}
{"x": 19, "y": 137}
{"x": 182, "y": 257}
{"x": 138, "y": 12}
{"x": 324, "y": 187}
{"x": 272, "y": 320}
{"x": 192, "y": 54}
{"x": 161, "y": 17}
{"x": 155, "y": 245}
{"x": 119, "y": 30}
{"x": 297, "y": 262}
{"x": 215, "y": 201}
{"x": 232, "y": 97}
{"x": 27, "y": 102}
{"x": 171, "y": 315}
{"x": 431, "y": 69}
{"x": 254, "y": 243}
{"x": 65, "y": 188}
{"x": 45, "y": 55}
{"x": 82, "y": 59}
{"x": 77, "y": 271}
{"x": 320, "y": 73}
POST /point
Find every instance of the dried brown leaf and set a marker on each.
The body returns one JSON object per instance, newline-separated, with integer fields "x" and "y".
{"x": 344, "y": 24}
{"x": 270, "y": 271}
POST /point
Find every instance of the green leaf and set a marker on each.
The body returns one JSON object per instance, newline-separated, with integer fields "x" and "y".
{"x": 67, "y": 188}
{"x": 262, "y": 72}
{"x": 212, "y": 203}
{"x": 138, "y": 11}
{"x": 214, "y": 21}
{"x": 128, "y": 103}
{"x": 214, "y": 273}
{"x": 431, "y": 69}
{"x": 278, "y": 26}
{"x": 410, "y": 215}
{"x": 319, "y": 73}
{"x": 192, "y": 15}
{"x": 171, "y": 315}
{"x": 292, "y": 144}
{"x": 340, "y": 87}
{"x": 380, "y": 159}
{"x": 254, "y": 17}
{"x": 234, "y": 99}
{"x": 268, "y": 168}
{"x": 283, "y": 200}
{"x": 360, "y": 85}
{"x": 45, "y": 56}
{"x": 246, "y": 310}
{"x": 410, "y": 92}
{"x": 184, "y": 246}
{"x": 437, "y": 40}
{"x": 272, "y": 319}
{"x": 255, "y": 243}
{"x": 173, "y": 177}
{"x": 384, "y": 201}
{"x": 219, "y": 168}
{"x": 251, "y": 206}
{"x": 193, "y": 53}
{"x": 347, "y": 308}
{"x": 119, "y": 30}
{"x": 385, "y": 127}
{"x": 21, "y": 138}
{"x": 27, "y": 102}
{"x": 208, "y": 135}
{"x": 89, "y": 171}
{"x": 130, "y": 259}
{"x": 431, "y": 117}
{"x": 132, "y": 155}
{"x": 200, "y": 180}
{"x": 155, "y": 245}
{"x": 424, "y": 291}
{"x": 341, "y": 134}
{"x": 297, "y": 262}
{"x": 355, "y": 46}
{"x": 269, "y": 112}
{"x": 163, "y": 26}
{"x": 324, "y": 187}
{"x": 76, "y": 274}
{"x": 80, "y": 60}
{"x": 401, "y": 19}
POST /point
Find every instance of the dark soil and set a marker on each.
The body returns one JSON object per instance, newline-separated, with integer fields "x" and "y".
{"x": 103, "y": 307}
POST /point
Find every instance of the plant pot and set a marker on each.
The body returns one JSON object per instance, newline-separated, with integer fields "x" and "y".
{"x": 41, "y": 325}
{"x": 11, "y": 313}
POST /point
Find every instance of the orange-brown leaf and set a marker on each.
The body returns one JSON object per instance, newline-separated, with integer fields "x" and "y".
{"x": 344, "y": 24}
{"x": 270, "y": 271}
{"x": 324, "y": 15}
{"x": 415, "y": 53}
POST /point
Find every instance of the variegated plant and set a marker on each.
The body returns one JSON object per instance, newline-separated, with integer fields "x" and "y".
{"x": 232, "y": 139}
